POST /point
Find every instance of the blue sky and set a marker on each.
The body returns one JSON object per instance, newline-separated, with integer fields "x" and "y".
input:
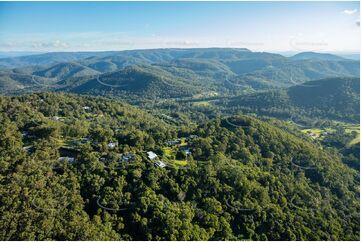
{"x": 259, "y": 26}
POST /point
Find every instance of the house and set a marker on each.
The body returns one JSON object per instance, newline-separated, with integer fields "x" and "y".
{"x": 86, "y": 108}
{"x": 112, "y": 145}
{"x": 187, "y": 151}
{"x": 193, "y": 136}
{"x": 65, "y": 158}
{"x": 160, "y": 164}
{"x": 151, "y": 155}
{"x": 174, "y": 142}
{"x": 28, "y": 149}
{"x": 127, "y": 157}
{"x": 56, "y": 118}
{"x": 82, "y": 141}
{"x": 190, "y": 137}
{"x": 26, "y": 134}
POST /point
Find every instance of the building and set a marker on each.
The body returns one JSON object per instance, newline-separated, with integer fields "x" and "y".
{"x": 187, "y": 151}
{"x": 69, "y": 159}
{"x": 112, "y": 145}
{"x": 191, "y": 137}
{"x": 151, "y": 155}
{"x": 28, "y": 149}
{"x": 174, "y": 142}
{"x": 160, "y": 164}
{"x": 127, "y": 157}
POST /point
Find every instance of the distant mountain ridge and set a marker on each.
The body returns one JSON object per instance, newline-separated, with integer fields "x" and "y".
{"x": 227, "y": 71}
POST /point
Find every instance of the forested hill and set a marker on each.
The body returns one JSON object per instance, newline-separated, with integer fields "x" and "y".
{"x": 316, "y": 56}
{"x": 76, "y": 168}
{"x": 332, "y": 98}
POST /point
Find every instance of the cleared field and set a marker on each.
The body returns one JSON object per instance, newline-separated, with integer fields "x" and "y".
{"x": 201, "y": 104}
{"x": 314, "y": 133}
{"x": 351, "y": 128}
{"x": 181, "y": 162}
{"x": 167, "y": 151}
{"x": 354, "y": 141}
{"x": 320, "y": 134}
{"x": 169, "y": 154}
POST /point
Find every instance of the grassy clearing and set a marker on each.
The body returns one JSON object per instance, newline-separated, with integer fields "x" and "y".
{"x": 206, "y": 94}
{"x": 355, "y": 140}
{"x": 201, "y": 104}
{"x": 352, "y": 128}
{"x": 167, "y": 151}
{"x": 181, "y": 162}
{"x": 314, "y": 133}
{"x": 320, "y": 134}
{"x": 169, "y": 154}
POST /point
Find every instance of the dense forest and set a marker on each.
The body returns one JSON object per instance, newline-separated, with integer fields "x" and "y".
{"x": 331, "y": 98}
{"x": 89, "y": 168}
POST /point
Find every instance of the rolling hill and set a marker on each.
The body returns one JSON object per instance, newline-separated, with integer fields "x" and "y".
{"x": 224, "y": 71}
{"x": 316, "y": 56}
{"x": 333, "y": 98}
{"x": 144, "y": 81}
{"x": 65, "y": 70}
{"x": 15, "y": 83}
{"x": 243, "y": 179}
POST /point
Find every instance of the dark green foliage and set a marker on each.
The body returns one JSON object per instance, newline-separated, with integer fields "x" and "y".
{"x": 243, "y": 179}
{"x": 332, "y": 98}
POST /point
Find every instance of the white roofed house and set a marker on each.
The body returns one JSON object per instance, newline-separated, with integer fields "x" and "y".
{"x": 69, "y": 159}
{"x": 112, "y": 145}
{"x": 25, "y": 133}
{"x": 160, "y": 164}
{"x": 152, "y": 155}
{"x": 187, "y": 151}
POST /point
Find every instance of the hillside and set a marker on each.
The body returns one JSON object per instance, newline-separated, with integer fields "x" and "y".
{"x": 15, "y": 83}
{"x": 316, "y": 56}
{"x": 76, "y": 167}
{"x": 144, "y": 81}
{"x": 332, "y": 98}
{"x": 65, "y": 70}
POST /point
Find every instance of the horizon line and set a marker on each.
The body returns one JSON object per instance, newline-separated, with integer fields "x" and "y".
{"x": 183, "y": 48}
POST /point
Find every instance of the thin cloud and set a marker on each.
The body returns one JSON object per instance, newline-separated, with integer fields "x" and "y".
{"x": 53, "y": 44}
{"x": 349, "y": 11}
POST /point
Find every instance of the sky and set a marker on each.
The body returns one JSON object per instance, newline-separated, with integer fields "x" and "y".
{"x": 102, "y": 26}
